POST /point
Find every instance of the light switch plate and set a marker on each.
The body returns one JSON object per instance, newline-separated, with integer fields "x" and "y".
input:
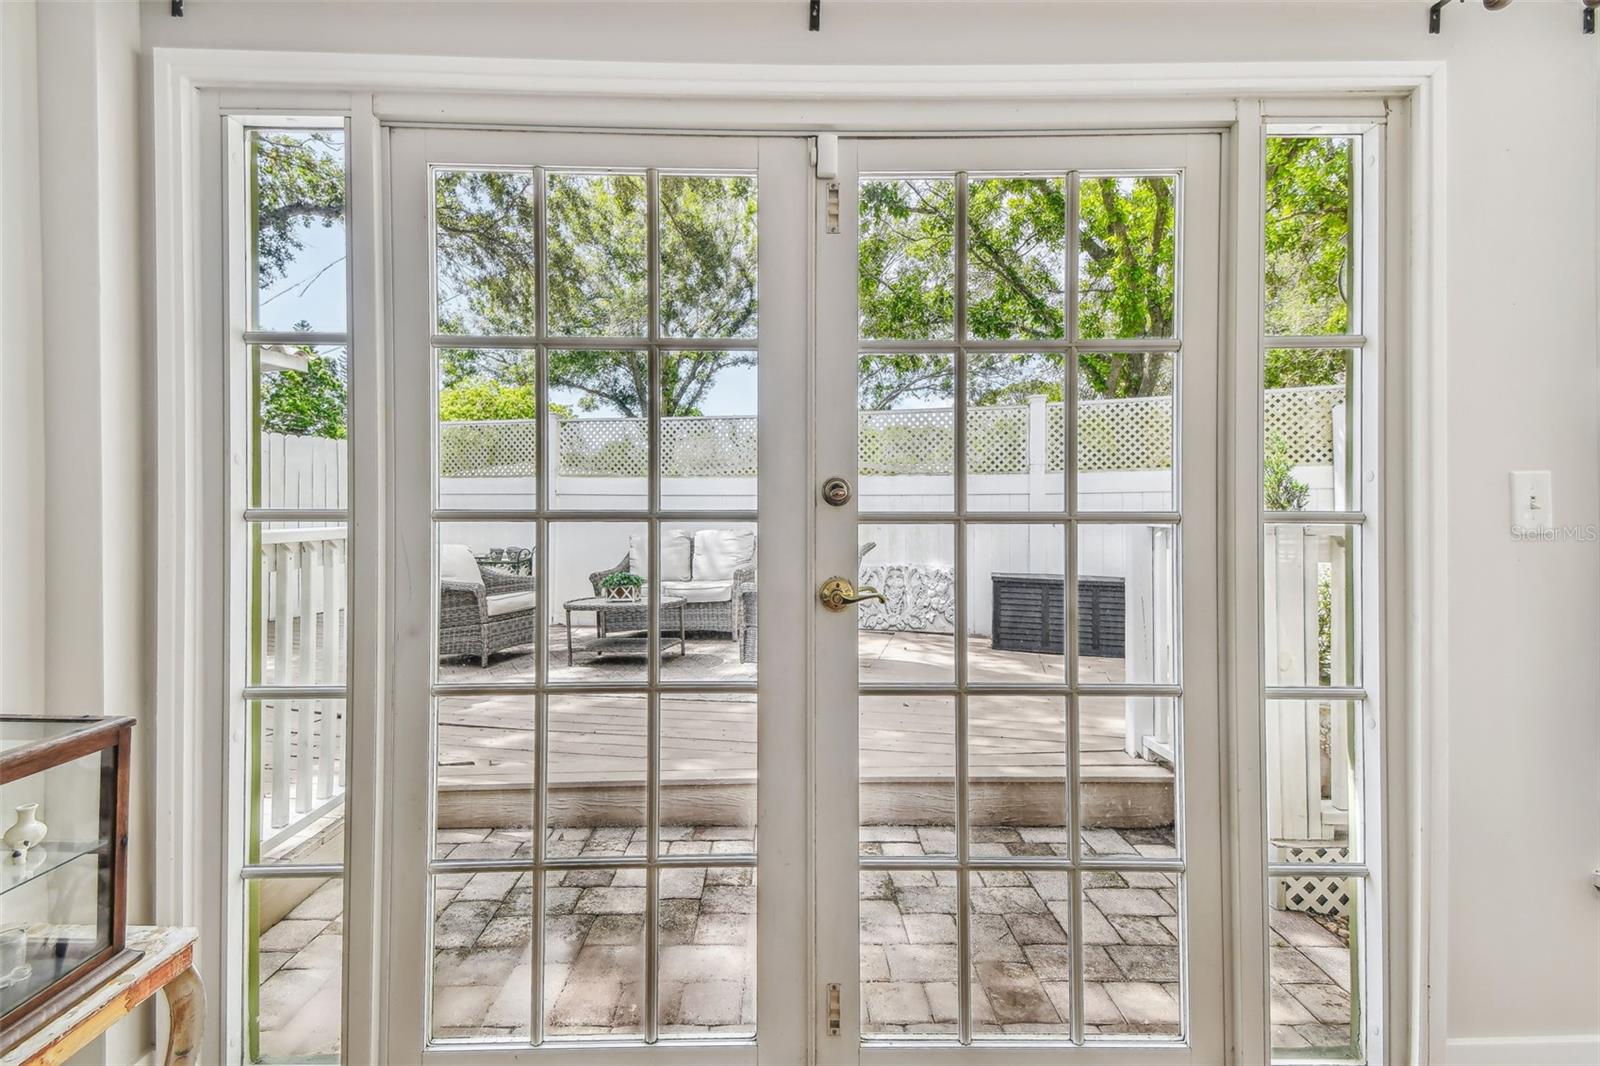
{"x": 1530, "y": 501}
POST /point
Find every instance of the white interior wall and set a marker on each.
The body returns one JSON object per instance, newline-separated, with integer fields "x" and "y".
{"x": 1522, "y": 922}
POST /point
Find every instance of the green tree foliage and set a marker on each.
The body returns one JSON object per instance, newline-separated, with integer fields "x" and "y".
{"x": 305, "y": 403}
{"x": 299, "y": 183}
{"x": 1307, "y": 232}
{"x": 1280, "y": 488}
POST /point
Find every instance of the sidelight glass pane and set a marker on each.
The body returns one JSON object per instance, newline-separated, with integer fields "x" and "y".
{"x": 708, "y": 256}
{"x": 600, "y": 424}
{"x": 1316, "y": 967}
{"x": 298, "y": 451}
{"x": 594, "y": 952}
{"x": 1127, "y": 622}
{"x": 299, "y": 585}
{"x": 907, "y": 432}
{"x": 1021, "y": 978}
{"x": 1314, "y": 774}
{"x": 1127, "y": 431}
{"x": 708, "y": 431}
{"x": 486, "y": 253}
{"x": 597, "y": 238}
{"x": 1016, "y": 258}
{"x": 488, "y": 611}
{"x": 297, "y": 777}
{"x": 1313, "y": 608}
{"x": 482, "y": 966}
{"x": 599, "y": 620}
{"x": 908, "y": 775}
{"x": 1127, "y": 257}
{"x": 907, "y": 258}
{"x": 1128, "y": 747}
{"x": 706, "y": 929}
{"x": 297, "y": 231}
{"x": 909, "y": 967}
{"x": 488, "y": 433}
{"x": 1132, "y": 954}
{"x": 1015, "y": 603}
{"x": 911, "y": 637}
{"x": 294, "y": 960}
{"x": 1310, "y": 228}
{"x": 1016, "y": 432}
{"x": 708, "y": 774}
{"x": 1017, "y": 776}
{"x": 1311, "y": 430}
{"x": 595, "y": 795}
{"x": 484, "y": 777}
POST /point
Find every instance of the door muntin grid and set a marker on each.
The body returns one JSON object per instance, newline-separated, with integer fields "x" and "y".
{"x": 1074, "y": 868}
{"x": 646, "y": 877}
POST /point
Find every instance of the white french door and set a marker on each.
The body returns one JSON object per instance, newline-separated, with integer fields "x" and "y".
{"x": 649, "y": 798}
{"x": 1017, "y": 367}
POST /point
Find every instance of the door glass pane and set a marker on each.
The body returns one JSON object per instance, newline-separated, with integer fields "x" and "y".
{"x": 908, "y": 775}
{"x": 299, "y": 453}
{"x": 297, "y": 773}
{"x": 1127, "y": 786}
{"x": 1016, "y": 616}
{"x": 1016, "y": 258}
{"x": 911, "y": 637}
{"x": 1316, "y": 967}
{"x": 708, "y": 256}
{"x": 297, "y": 215}
{"x": 599, "y": 416}
{"x": 708, "y": 432}
{"x": 708, "y": 774}
{"x": 1312, "y": 605}
{"x": 1132, "y": 955}
{"x": 909, "y": 966}
{"x": 1017, "y": 776}
{"x": 907, "y": 427}
{"x": 486, "y": 256}
{"x": 594, "y": 952}
{"x": 1127, "y": 459}
{"x": 299, "y": 585}
{"x": 1127, "y": 604}
{"x": 482, "y": 985}
{"x": 294, "y": 948}
{"x": 1021, "y": 978}
{"x": 706, "y": 926}
{"x": 597, "y": 237}
{"x": 1127, "y": 261}
{"x": 708, "y": 611}
{"x": 595, "y": 796}
{"x": 1311, "y": 431}
{"x": 488, "y": 443}
{"x": 488, "y": 614}
{"x": 907, "y": 258}
{"x": 1016, "y": 432}
{"x": 485, "y": 775}
{"x": 1310, "y": 214}
{"x": 1314, "y": 772}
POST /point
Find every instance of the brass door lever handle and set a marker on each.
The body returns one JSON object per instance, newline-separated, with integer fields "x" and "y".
{"x": 837, "y": 593}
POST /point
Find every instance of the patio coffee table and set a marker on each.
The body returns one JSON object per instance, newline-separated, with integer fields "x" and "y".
{"x": 638, "y": 644}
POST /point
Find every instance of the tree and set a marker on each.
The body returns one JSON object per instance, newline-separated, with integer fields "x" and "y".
{"x": 299, "y": 183}
{"x": 306, "y": 403}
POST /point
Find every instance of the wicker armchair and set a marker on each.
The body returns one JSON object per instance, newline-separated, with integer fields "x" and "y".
{"x": 479, "y": 618}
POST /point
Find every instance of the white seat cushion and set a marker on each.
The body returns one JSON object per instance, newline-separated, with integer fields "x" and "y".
{"x": 719, "y": 552}
{"x": 699, "y": 591}
{"x": 457, "y": 564}
{"x": 676, "y": 545}
{"x": 509, "y": 603}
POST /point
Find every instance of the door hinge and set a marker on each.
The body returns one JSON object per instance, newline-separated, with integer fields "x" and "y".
{"x": 833, "y": 207}
{"x": 833, "y": 1009}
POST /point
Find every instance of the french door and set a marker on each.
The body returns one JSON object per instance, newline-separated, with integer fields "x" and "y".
{"x": 650, "y": 798}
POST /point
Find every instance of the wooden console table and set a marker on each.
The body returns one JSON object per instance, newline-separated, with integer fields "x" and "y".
{"x": 167, "y": 963}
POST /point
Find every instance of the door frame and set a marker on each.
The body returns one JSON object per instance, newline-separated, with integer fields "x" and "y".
{"x": 193, "y": 87}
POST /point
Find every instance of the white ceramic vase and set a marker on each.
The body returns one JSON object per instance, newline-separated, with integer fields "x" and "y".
{"x": 26, "y": 832}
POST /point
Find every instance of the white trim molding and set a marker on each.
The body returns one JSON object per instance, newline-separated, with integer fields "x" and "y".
{"x": 1578, "y": 1050}
{"x": 193, "y": 86}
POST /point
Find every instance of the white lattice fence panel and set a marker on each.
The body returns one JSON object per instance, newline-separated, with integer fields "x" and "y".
{"x": 507, "y": 448}
{"x": 1303, "y": 417}
{"x": 708, "y": 447}
{"x": 1314, "y": 893}
{"x": 1130, "y": 434}
{"x": 918, "y": 441}
{"x": 603, "y": 447}
{"x": 997, "y": 440}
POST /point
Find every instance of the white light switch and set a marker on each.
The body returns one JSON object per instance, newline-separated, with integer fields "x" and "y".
{"x": 1530, "y": 500}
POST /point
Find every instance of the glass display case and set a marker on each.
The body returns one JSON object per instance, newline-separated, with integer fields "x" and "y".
{"x": 63, "y": 864}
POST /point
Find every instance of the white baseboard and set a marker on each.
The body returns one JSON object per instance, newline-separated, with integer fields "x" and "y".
{"x": 1581, "y": 1050}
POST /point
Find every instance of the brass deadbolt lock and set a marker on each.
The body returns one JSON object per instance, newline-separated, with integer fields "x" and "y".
{"x": 836, "y": 491}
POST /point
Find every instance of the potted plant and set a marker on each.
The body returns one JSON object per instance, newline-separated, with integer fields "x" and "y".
{"x": 622, "y": 585}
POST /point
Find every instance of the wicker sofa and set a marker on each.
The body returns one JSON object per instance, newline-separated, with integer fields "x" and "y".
{"x": 482, "y": 609}
{"x": 707, "y": 567}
